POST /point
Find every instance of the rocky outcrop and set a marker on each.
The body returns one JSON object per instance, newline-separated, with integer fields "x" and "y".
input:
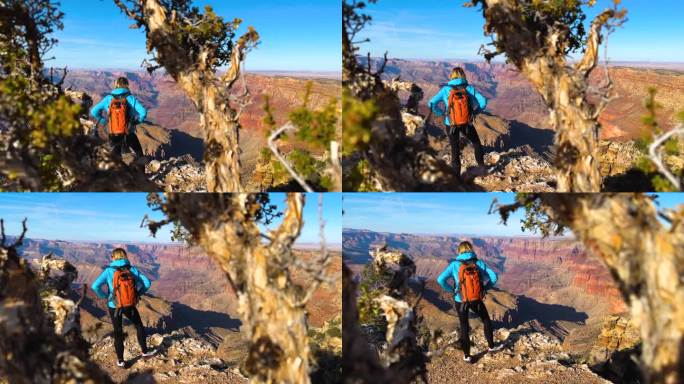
{"x": 154, "y": 139}
{"x": 494, "y": 132}
{"x": 56, "y": 276}
{"x": 617, "y": 157}
{"x": 502, "y": 307}
{"x": 609, "y": 345}
{"x": 40, "y": 335}
{"x": 616, "y": 349}
{"x": 528, "y": 356}
{"x": 183, "y": 357}
{"x": 177, "y": 174}
{"x": 517, "y": 169}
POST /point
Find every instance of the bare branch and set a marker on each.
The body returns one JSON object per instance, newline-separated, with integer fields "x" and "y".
{"x": 654, "y": 154}
{"x": 588, "y": 62}
{"x": 321, "y": 264}
{"x": 20, "y": 240}
{"x": 274, "y": 148}
{"x": 605, "y": 90}
{"x": 288, "y": 231}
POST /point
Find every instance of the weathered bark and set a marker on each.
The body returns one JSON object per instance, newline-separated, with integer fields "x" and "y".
{"x": 360, "y": 364}
{"x": 33, "y": 347}
{"x": 647, "y": 261}
{"x": 541, "y": 57}
{"x": 195, "y": 74}
{"x": 271, "y": 305}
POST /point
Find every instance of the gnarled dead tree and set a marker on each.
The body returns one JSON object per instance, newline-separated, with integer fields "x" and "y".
{"x": 259, "y": 267}
{"x": 191, "y": 46}
{"x": 360, "y": 364}
{"x": 645, "y": 257}
{"x": 35, "y": 348}
{"x": 537, "y": 37}
{"x": 401, "y": 358}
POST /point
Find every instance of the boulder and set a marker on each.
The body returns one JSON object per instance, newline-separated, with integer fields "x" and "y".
{"x": 154, "y": 139}
{"x": 177, "y": 174}
{"x": 616, "y": 158}
{"x": 494, "y": 132}
{"x": 502, "y": 306}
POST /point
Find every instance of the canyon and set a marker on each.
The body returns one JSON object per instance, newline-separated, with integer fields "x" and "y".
{"x": 188, "y": 288}
{"x": 174, "y": 121}
{"x": 512, "y": 98}
{"x": 554, "y": 309}
{"x": 555, "y": 272}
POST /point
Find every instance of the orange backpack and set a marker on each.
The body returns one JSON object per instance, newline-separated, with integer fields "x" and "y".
{"x": 118, "y": 116}
{"x": 459, "y": 106}
{"x": 469, "y": 282}
{"x": 125, "y": 294}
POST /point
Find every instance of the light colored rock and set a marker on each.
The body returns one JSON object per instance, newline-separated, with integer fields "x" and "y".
{"x": 153, "y": 166}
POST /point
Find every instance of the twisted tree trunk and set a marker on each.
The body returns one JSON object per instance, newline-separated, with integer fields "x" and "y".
{"x": 195, "y": 74}
{"x": 270, "y": 304}
{"x": 576, "y": 141}
{"x": 541, "y": 56}
{"x": 221, "y": 137}
{"x": 647, "y": 261}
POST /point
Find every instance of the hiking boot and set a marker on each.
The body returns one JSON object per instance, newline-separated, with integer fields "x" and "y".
{"x": 121, "y": 364}
{"x": 496, "y": 348}
{"x": 468, "y": 359}
{"x": 150, "y": 353}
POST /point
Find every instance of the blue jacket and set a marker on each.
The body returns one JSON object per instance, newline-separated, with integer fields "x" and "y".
{"x": 479, "y": 102}
{"x": 486, "y": 274}
{"x": 103, "y": 106}
{"x": 107, "y": 276}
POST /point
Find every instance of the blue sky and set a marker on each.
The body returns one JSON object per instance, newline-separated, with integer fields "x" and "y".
{"x": 444, "y": 29}
{"x": 296, "y": 36}
{"x": 442, "y": 213}
{"x": 117, "y": 216}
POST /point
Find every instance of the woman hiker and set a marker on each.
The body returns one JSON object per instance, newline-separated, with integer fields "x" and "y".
{"x": 460, "y": 102}
{"x": 472, "y": 277}
{"x": 126, "y": 284}
{"x": 124, "y": 112}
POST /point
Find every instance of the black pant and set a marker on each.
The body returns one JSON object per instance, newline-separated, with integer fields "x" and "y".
{"x": 479, "y": 308}
{"x": 454, "y": 134}
{"x": 117, "y": 321}
{"x": 121, "y": 143}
